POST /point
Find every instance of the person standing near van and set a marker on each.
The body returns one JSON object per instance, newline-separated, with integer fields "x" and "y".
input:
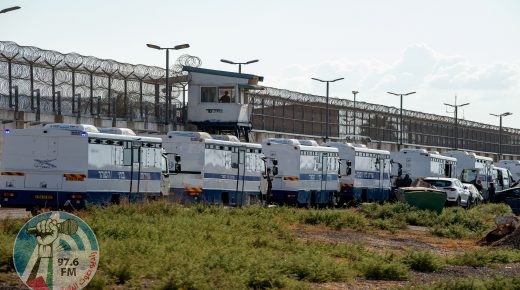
{"x": 407, "y": 181}
{"x": 491, "y": 191}
{"x": 269, "y": 179}
{"x": 478, "y": 185}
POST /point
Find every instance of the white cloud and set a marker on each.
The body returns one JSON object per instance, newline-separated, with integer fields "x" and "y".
{"x": 436, "y": 77}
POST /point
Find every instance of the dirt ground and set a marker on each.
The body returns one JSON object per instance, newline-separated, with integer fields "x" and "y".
{"x": 415, "y": 238}
{"x": 13, "y": 213}
{"x": 411, "y": 238}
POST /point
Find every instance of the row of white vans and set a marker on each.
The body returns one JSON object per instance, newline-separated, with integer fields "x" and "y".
{"x": 69, "y": 165}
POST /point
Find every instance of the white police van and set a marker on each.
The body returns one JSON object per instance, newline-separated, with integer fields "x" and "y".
{"x": 364, "y": 173}
{"x": 419, "y": 163}
{"x": 307, "y": 174}
{"x": 203, "y": 169}
{"x": 69, "y": 165}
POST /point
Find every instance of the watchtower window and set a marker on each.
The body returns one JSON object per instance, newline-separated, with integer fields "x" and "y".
{"x": 217, "y": 95}
{"x": 208, "y": 94}
{"x": 226, "y": 95}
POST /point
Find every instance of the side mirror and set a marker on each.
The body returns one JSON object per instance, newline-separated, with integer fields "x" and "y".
{"x": 275, "y": 170}
{"x": 177, "y": 167}
{"x": 349, "y": 171}
{"x": 275, "y": 162}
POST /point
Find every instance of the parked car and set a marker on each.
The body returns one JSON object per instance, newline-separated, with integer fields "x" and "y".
{"x": 457, "y": 194}
{"x": 476, "y": 196}
{"x": 500, "y": 196}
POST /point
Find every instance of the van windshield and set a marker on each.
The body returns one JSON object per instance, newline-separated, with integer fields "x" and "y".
{"x": 469, "y": 175}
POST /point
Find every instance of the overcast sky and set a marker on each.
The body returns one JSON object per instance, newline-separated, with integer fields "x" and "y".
{"x": 440, "y": 49}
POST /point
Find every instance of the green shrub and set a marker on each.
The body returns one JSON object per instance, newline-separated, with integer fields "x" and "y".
{"x": 316, "y": 217}
{"x": 391, "y": 225}
{"x": 98, "y": 282}
{"x": 481, "y": 258}
{"x": 385, "y": 211}
{"x": 425, "y": 218}
{"x": 376, "y": 269}
{"x": 12, "y": 226}
{"x": 495, "y": 283}
{"x": 460, "y": 223}
{"x": 121, "y": 273}
{"x": 313, "y": 267}
{"x": 421, "y": 261}
{"x": 394, "y": 216}
{"x": 336, "y": 219}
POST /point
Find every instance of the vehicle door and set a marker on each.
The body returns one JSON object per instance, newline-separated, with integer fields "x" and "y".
{"x": 165, "y": 176}
{"x": 380, "y": 166}
{"x": 241, "y": 175}
{"x": 324, "y": 169}
{"x": 463, "y": 193}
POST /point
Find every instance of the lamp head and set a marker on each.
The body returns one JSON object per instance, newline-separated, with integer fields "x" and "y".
{"x": 10, "y": 9}
{"x": 153, "y": 46}
{"x": 227, "y": 61}
{"x": 181, "y": 46}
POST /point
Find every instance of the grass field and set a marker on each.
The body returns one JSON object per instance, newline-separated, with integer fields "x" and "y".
{"x": 168, "y": 246}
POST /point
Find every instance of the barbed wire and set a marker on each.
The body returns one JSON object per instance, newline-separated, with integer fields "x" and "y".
{"x": 29, "y": 67}
{"x": 282, "y": 95}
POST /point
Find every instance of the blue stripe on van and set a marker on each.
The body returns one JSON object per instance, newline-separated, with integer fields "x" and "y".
{"x": 231, "y": 176}
{"x": 370, "y": 175}
{"x": 318, "y": 177}
{"x": 122, "y": 175}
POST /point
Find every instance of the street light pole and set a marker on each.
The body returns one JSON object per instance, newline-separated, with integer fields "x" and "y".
{"x": 355, "y": 111}
{"x": 168, "y": 93}
{"x": 239, "y": 63}
{"x": 327, "y": 129}
{"x": 456, "y": 107}
{"x": 168, "y": 96}
{"x": 500, "y": 134}
{"x": 401, "y": 117}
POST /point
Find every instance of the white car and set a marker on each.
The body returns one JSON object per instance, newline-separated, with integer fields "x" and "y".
{"x": 455, "y": 191}
{"x": 476, "y": 196}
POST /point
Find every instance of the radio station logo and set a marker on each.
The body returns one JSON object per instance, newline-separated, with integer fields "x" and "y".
{"x": 56, "y": 250}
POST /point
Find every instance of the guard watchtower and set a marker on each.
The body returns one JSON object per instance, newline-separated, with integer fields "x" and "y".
{"x": 218, "y": 101}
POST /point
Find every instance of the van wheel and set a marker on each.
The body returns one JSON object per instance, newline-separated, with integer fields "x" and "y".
{"x": 34, "y": 211}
